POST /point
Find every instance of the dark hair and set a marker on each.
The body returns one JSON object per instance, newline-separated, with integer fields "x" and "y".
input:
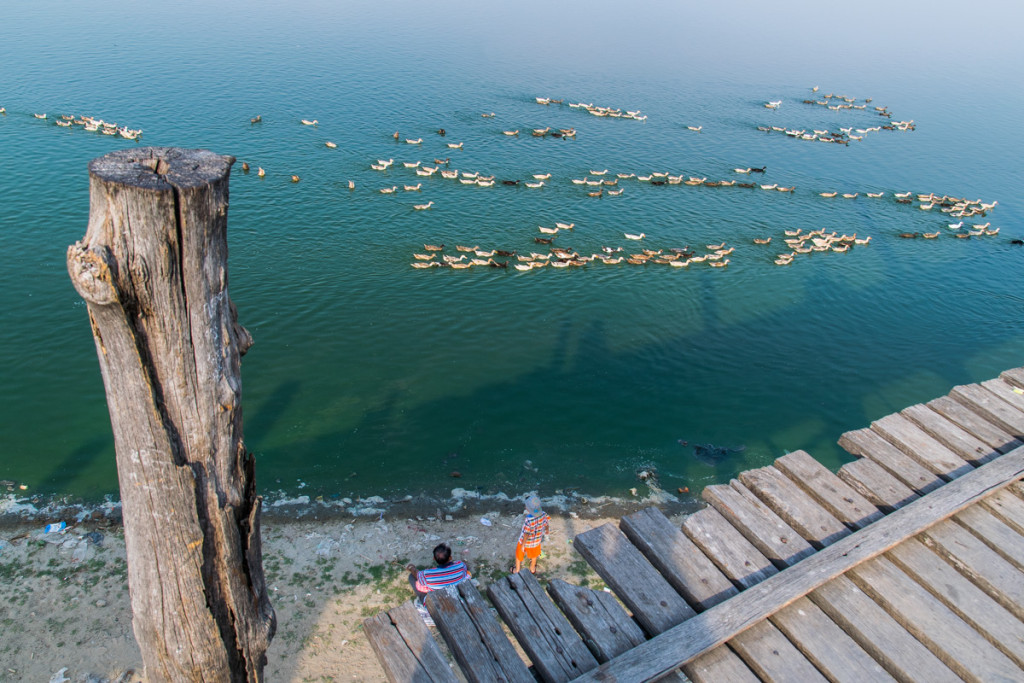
{"x": 442, "y": 554}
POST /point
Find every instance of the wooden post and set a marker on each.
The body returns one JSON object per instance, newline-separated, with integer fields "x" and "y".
{"x": 152, "y": 269}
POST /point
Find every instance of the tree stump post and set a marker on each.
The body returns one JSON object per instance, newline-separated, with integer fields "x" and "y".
{"x": 152, "y": 269}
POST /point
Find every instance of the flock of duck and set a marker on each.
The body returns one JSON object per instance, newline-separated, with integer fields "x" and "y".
{"x": 841, "y": 136}
{"x": 91, "y": 124}
{"x": 596, "y": 110}
{"x": 598, "y": 183}
{"x": 558, "y": 257}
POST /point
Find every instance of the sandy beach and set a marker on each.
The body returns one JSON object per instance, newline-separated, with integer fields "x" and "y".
{"x": 66, "y": 614}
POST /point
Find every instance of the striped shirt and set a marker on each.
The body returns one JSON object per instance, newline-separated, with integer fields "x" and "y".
{"x": 439, "y": 577}
{"x": 534, "y": 529}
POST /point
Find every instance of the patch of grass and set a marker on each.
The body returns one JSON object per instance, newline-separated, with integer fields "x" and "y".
{"x": 368, "y": 611}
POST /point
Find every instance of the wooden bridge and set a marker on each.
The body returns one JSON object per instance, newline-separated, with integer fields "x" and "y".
{"x": 907, "y": 565}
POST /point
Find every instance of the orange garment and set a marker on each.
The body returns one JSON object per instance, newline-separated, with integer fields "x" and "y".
{"x": 532, "y": 552}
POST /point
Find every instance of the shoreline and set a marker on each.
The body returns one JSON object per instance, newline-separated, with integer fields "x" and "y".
{"x": 17, "y": 510}
{"x": 67, "y": 603}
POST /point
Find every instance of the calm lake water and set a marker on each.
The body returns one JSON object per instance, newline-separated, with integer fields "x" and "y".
{"x": 371, "y": 377}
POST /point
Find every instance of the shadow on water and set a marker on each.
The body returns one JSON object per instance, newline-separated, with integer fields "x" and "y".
{"x": 268, "y": 414}
{"x": 593, "y": 418}
{"x": 66, "y": 474}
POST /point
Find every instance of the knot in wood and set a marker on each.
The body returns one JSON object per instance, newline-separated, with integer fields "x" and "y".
{"x": 91, "y": 270}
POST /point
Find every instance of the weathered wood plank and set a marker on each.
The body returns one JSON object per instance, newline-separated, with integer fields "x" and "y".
{"x": 900, "y": 653}
{"x": 773, "y": 657}
{"x": 608, "y": 631}
{"x": 474, "y": 635}
{"x": 719, "y": 664}
{"x": 678, "y": 559}
{"x": 1014, "y": 376}
{"x": 556, "y": 650}
{"x": 722, "y": 622}
{"x": 655, "y": 604}
{"x": 919, "y": 445}
{"x": 870, "y": 445}
{"x": 835, "y": 495}
{"x": 956, "y": 438}
{"x": 1009, "y": 507}
{"x": 733, "y": 554}
{"x": 955, "y": 411}
{"x": 606, "y": 628}
{"x": 875, "y": 483}
{"x": 991, "y": 407}
{"x": 994, "y": 532}
{"x": 796, "y": 508}
{"x": 404, "y": 647}
{"x": 1006, "y": 391}
{"x": 951, "y": 639}
{"x": 984, "y": 566}
{"x": 826, "y": 645}
{"x": 417, "y": 637}
{"x": 969, "y": 602}
{"x": 765, "y": 530}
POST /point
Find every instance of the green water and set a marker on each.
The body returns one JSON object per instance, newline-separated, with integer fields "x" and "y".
{"x": 370, "y": 377}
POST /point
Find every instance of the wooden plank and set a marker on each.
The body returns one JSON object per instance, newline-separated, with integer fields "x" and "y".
{"x": 919, "y": 445}
{"x": 951, "y": 639}
{"x": 475, "y": 636}
{"x": 655, "y": 604}
{"x": 970, "y": 603}
{"x": 765, "y": 530}
{"x": 773, "y": 657}
{"x": 720, "y": 664}
{"x": 994, "y": 532}
{"x": 956, "y": 438}
{"x": 1009, "y": 507}
{"x": 870, "y": 445}
{"x": 744, "y": 564}
{"x": 984, "y": 566}
{"x": 954, "y": 411}
{"x": 1006, "y": 391}
{"x": 733, "y": 554}
{"x": 404, "y": 647}
{"x": 606, "y": 628}
{"x": 678, "y": 559}
{"x": 875, "y": 483}
{"x": 900, "y": 653}
{"x": 991, "y": 407}
{"x": 722, "y": 622}
{"x": 608, "y": 631}
{"x": 835, "y": 495}
{"x": 414, "y": 632}
{"x": 556, "y": 650}
{"x": 796, "y": 508}
{"x": 826, "y": 645}
{"x": 1014, "y": 376}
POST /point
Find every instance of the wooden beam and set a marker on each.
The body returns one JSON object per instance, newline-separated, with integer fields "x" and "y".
{"x": 695, "y": 636}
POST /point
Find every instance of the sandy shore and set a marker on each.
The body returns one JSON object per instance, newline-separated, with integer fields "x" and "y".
{"x": 64, "y": 596}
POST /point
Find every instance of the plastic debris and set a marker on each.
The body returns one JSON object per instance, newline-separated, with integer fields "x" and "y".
{"x": 55, "y": 528}
{"x": 59, "y": 677}
{"x": 325, "y": 547}
{"x": 485, "y": 521}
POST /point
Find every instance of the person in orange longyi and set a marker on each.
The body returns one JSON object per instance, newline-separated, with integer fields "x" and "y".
{"x": 535, "y": 527}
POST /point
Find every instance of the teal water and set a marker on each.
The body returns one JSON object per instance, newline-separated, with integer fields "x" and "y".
{"x": 370, "y": 377}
